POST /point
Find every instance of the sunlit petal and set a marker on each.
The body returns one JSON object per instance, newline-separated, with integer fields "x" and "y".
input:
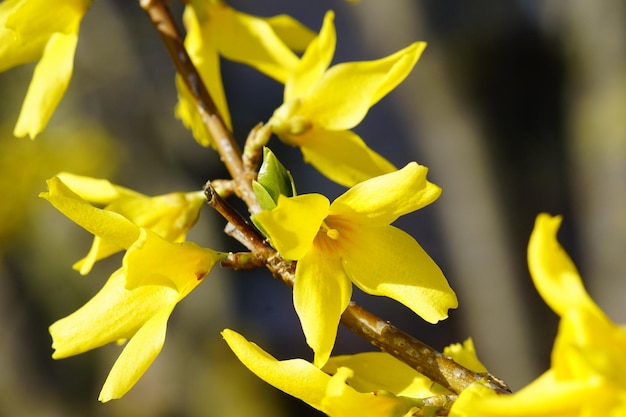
{"x": 114, "y": 313}
{"x": 465, "y": 354}
{"x": 350, "y": 160}
{"x": 387, "y": 261}
{"x": 554, "y": 274}
{"x": 152, "y": 260}
{"x": 50, "y": 80}
{"x": 296, "y": 377}
{"x": 381, "y": 200}
{"x": 342, "y": 97}
{"x": 321, "y": 293}
{"x": 398, "y": 378}
{"x": 294, "y": 222}
{"x": 108, "y": 225}
{"x": 137, "y": 356}
{"x": 314, "y": 62}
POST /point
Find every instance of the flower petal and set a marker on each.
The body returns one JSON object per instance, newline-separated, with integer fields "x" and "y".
{"x": 381, "y": 200}
{"x": 343, "y": 95}
{"x": 321, "y": 293}
{"x": 251, "y": 40}
{"x": 95, "y": 190}
{"x": 152, "y": 260}
{"x": 293, "y": 223}
{"x": 398, "y": 378}
{"x": 314, "y": 62}
{"x": 296, "y": 377}
{"x": 50, "y": 80}
{"x": 544, "y": 397}
{"x": 465, "y": 354}
{"x": 137, "y": 356}
{"x": 386, "y": 261}
{"x": 114, "y": 313}
{"x": 342, "y": 156}
{"x": 554, "y": 274}
{"x": 106, "y": 224}
{"x": 293, "y": 33}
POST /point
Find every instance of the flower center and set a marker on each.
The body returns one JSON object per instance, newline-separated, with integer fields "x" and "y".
{"x": 331, "y": 233}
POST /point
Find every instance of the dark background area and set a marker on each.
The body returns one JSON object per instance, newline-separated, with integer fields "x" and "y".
{"x": 516, "y": 107}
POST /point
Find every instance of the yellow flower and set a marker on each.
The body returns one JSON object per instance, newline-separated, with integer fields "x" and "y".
{"x": 351, "y": 240}
{"x": 321, "y": 104}
{"x": 31, "y": 30}
{"x": 587, "y": 376}
{"x": 169, "y": 215}
{"x": 367, "y": 384}
{"x": 214, "y": 29}
{"x": 137, "y": 300}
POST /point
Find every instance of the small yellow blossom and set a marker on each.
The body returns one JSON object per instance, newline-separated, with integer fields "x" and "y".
{"x": 366, "y": 384}
{"x": 137, "y": 300}
{"x": 351, "y": 240}
{"x": 214, "y": 29}
{"x": 31, "y": 30}
{"x": 587, "y": 373}
{"x": 322, "y": 104}
{"x": 169, "y": 215}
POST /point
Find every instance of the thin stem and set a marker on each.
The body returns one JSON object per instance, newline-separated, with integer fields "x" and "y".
{"x": 223, "y": 138}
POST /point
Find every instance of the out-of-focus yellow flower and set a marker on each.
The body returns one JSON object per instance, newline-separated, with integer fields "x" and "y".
{"x": 322, "y": 104}
{"x": 587, "y": 376}
{"x": 214, "y": 29}
{"x": 351, "y": 240}
{"x": 31, "y": 30}
{"x": 137, "y": 300}
{"x": 169, "y": 215}
{"x": 367, "y": 384}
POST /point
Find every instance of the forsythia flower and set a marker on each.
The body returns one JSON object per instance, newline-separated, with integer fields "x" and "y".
{"x": 169, "y": 215}
{"x": 137, "y": 300}
{"x": 587, "y": 375}
{"x": 351, "y": 240}
{"x": 31, "y": 30}
{"x": 321, "y": 104}
{"x": 367, "y": 384}
{"x": 214, "y": 29}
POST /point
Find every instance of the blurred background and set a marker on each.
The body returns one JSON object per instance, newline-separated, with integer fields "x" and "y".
{"x": 516, "y": 107}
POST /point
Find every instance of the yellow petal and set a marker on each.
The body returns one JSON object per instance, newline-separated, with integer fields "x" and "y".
{"x": 152, "y": 260}
{"x": 296, "y": 377}
{"x": 106, "y": 224}
{"x": 386, "y": 261}
{"x": 465, "y": 354}
{"x": 343, "y": 95}
{"x": 251, "y": 40}
{"x": 95, "y": 190}
{"x": 294, "y": 222}
{"x": 137, "y": 356}
{"x": 314, "y": 62}
{"x": 205, "y": 57}
{"x": 25, "y": 30}
{"x": 302, "y": 380}
{"x": 342, "y": 156}
{"x": 554, "y": 274}
{"x": 293, "y": 33}
{"x": 50, "y": 80}
{"x": 321, "y": 293}
{"x": 114, "y": 313}
{"x": 398, "y": 378}
{"x": 544, "y": 397}
{"x": 381, "y": 200}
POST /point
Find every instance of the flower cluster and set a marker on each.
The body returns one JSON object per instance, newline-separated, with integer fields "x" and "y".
{"x": 320, "y": 248}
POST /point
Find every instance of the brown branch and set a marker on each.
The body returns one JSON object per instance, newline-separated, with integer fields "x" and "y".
{"x": 223, "y": 138}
